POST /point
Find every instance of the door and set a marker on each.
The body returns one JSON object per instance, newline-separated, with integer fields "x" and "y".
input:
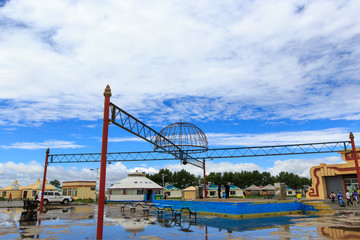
{"x": 57, "y": 197}
{"x": 50, "y": 196}
{"x": 149, "y": 195}
{"x": 25, "y": 194}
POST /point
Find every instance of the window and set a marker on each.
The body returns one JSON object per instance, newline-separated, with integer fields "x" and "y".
{"x": 232, "y": 193}
{"x": 69, "y": 191}
{"x": 49, "y": 193}
{"x": 131, "y": 191}
{"x": 116, "y": 192}
{"x": 212, "y": 193}
{"x": 135, "y": 182}
{"x": 92, "y": 188}
{"x": 57, "y": 194}
{"x": 74, "y": 192}
{"x": 65, "y": 191}
{"x": 140, "y": 192}
{"x": 45, "y": 193}
{"x": 33, "y": 193}
{"x": 3, "y": 193}
{"x": 167, "y": 193}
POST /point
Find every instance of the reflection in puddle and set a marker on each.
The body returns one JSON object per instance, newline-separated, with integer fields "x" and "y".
{"x": 79, "y": 222}
{"x": 28, "y": 219}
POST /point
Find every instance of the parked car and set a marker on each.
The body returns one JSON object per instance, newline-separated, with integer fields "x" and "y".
{"x": 54, "y": 197}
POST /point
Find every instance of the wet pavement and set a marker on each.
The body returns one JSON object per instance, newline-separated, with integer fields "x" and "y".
{"x": 6, "y": 204}
{"x": 79, "y": 222}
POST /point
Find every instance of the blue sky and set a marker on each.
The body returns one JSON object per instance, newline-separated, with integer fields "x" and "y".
{"x": 248, "y": 73}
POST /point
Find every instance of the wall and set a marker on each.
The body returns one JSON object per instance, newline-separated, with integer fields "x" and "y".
{"x": 126, "y": 198}
{"x": 239, "y": 210}
{"x": 319, "y": 174}
{"x": 83, "y": 189}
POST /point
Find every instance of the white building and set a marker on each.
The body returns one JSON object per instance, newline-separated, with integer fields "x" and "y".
{"x": 136, "y": 187}
{"x": 172, "y": 192}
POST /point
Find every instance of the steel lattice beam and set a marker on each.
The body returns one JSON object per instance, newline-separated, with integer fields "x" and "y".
{"x": 124, "y": 120}
{"x": 277, "y": 150}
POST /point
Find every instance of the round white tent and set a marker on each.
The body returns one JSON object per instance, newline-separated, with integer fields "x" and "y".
{"x": 136, "y": 187}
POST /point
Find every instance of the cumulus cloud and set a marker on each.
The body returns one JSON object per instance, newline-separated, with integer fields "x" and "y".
{"x": 301, "y": 166}
{"x": 193, "y": 60}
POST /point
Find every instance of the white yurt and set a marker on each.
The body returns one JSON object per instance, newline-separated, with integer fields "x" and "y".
{"x": 136, "y": 187}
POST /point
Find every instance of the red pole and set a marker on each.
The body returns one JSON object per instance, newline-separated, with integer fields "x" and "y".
{"x": 107, "y": 94}
{"x": 205, "y": 191}
{"x": 44, "y": 180}
{"x": 355, "y": 156}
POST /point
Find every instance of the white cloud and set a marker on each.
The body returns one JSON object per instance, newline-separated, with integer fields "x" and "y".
{"x": 125, "y": 139}
{"x": 42, "y": 145}
{"x": 27, "y": 173}
{"x": 266, "y": 139}
{"x": 194, "y": 60}
{"x": 90, "y": 126}
{"x": 214, "y": 167}
{"x": 301, "y": 166}
{"x": 279, "y": 138}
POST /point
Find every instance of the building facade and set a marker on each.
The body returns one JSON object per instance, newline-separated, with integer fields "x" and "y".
{"x": 236, "y": 191}
{"x": 79, "y": 189}
{"x": 136, "y": 187}
{"x": 20, "y": 192}
{"x": 172, "y": 192}
{"x": 333, "y": 178}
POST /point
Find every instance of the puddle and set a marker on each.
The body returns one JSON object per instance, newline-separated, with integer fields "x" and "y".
{"x": 79, "y": 222}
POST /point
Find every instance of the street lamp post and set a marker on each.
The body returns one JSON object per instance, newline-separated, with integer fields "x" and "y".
{"x": 163, "y": 179}
{"x": 82, "y": 195}
{"x": 97, "y": 179}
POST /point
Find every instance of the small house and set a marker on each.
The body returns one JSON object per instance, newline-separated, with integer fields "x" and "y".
{"x": 136, "y": 187}
{"x": 290, "y": 191}
{"x": 236, "y": 191}
{"x": 253, "y": 190}
{"x": 189, "y": 193}
{"x": 213, "y": 191}
{"x": 268, "y": 190}
{"x": 172, "y": 192}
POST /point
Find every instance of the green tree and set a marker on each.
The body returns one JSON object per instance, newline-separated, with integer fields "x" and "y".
{"x": 293, "y": 181}
{"x": 214, "y": 178}
{"x": 227, "y": 177}
{"x": 183, "y": 179}
{"x": 158, "y": 177}
{"x": 55, "y": 182}
{"x": 267, "y": 179}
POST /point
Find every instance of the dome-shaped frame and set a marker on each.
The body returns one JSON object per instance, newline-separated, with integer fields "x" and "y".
{"x": 186, "y": 136}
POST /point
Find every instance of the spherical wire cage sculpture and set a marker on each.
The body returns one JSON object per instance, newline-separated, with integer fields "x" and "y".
{"x": 188, "y": 137}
